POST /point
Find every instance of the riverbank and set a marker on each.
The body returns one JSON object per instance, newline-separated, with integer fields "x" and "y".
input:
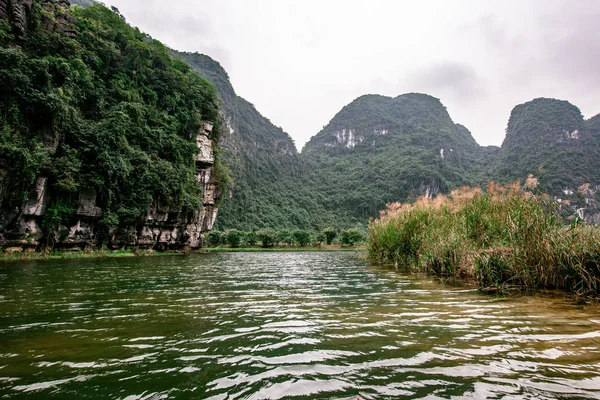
{"x": 505, "y": 237}
{"x": 282, "y": 249}
{"x": 71, "y": 255}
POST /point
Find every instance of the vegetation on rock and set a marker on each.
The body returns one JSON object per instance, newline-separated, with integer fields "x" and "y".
{"x": 380, "y": 149}
{"x": 550, "y": 136}
{"x": 107, "y": 110}
{"x": 265, "y": 168}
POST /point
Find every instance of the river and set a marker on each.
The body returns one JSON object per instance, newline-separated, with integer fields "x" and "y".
{"x": 281, "y": 325}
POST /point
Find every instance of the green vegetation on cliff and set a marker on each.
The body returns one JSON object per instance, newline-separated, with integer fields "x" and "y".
{"x": 268, "y": 188}
{"x": 107, "y": 109}
{"x": 552, "y": 136}
{"x": 380, "y": 149}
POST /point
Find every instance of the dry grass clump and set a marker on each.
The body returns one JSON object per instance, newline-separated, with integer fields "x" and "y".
{"x": 504, "y": 236}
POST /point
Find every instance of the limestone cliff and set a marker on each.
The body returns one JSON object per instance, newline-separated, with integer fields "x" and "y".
{"x": 262, "y": 158}
{"x": 379, "y": 149}
{"x": 77, "y": 170}
{"x": 161, "y": 228}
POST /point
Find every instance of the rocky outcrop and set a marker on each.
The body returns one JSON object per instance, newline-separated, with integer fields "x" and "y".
{"x": 64, "y": 23}
{"x": 54, "y": 18}
{"x": 4, "y": 10}
{"x": 580, "y": 203}
{"x": 161, "y": 228}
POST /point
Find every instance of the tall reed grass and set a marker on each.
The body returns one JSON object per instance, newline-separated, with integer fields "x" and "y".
{"x": 505, "y": 235}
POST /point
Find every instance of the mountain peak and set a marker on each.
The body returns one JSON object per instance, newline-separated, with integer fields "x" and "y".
{"x": 366, "y": 120}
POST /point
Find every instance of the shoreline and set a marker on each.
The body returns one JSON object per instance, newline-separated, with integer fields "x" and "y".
{"x": 99, "y": 254}
{"x": 281, "y": 249}
{"x": 81, "y": 255}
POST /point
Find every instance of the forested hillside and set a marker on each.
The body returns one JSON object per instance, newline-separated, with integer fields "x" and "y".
{"x": 266, "y": 169}
{"x": 105, "y": 138}
{"x": 380, "y": 149}
{"x": 550, "y": 136}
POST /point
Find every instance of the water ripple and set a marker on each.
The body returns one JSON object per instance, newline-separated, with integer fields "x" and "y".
{"x": 289, "y": 325}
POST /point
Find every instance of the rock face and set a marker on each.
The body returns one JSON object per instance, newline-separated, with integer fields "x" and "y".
{"x": 162, "y": 228}
{"x": 18, "y": 12}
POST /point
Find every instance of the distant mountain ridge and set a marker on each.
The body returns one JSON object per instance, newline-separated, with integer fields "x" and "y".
{"x": 379, "y": 149}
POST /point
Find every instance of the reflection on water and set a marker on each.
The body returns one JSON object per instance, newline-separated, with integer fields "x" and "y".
{"x": 281, "y": 325}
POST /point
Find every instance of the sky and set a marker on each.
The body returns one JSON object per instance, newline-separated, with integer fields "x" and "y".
{"x": 300, "y": 61}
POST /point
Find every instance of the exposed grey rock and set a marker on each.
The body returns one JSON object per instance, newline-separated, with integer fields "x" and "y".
{"x": 64, "y": 22}
{"x": 38, "y": 203}
{"x": 20, "y": 13}
{"x": 203, "y": 176}
{"x": 205, "y": 151}
{"x": 4, "y": 10}
{"x": 81, "y": 234}
{"x": 87, "y": 204}
{"x": 205, "y": 154}
{"x": 210, "y": 194}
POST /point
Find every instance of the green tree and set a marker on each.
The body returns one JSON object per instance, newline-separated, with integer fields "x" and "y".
{"x": 330, "y": 234}
{"x": 234, "y": 237}
{"x": 284, "y": 236}
{"x": 267, "y": 237}
{"x": 214, "y": 238}
{"x": 351, "y": 237}
{"x": 301, "y": 237}
{"x": 250, "y": 238}
{"x": 320, "y": 238}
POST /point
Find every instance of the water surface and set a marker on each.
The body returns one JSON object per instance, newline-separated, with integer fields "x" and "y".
{"x": 281, "y": 325}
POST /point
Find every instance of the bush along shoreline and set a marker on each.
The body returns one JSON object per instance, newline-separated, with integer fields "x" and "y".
{"x": 31, "y": 255}
{"x": 502, "y": 237}
{"x": 269, "y": 239}
{"x": 329, "y": 239}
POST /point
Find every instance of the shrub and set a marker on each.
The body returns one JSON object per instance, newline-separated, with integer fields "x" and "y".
{"x": 351, "y": 237}
{"x": 285, "y": 236}
{"x": 234, "y": 237}
{"x": 319, "y": 238}
{"x": 301, "y": 237}
{"x": 250, "y": 239}
{"x": 330, "y": 234}
{"x": 267, "y": 237}
{"x": 214, "y": 239}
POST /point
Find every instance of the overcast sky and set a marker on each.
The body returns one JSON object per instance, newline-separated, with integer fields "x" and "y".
{"x": 300, "y": 61}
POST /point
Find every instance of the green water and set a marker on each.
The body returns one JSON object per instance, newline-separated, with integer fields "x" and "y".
{"x": 281, "y": 325}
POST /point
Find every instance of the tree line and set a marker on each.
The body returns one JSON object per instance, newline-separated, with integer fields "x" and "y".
{"x": 269, "y": 237}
